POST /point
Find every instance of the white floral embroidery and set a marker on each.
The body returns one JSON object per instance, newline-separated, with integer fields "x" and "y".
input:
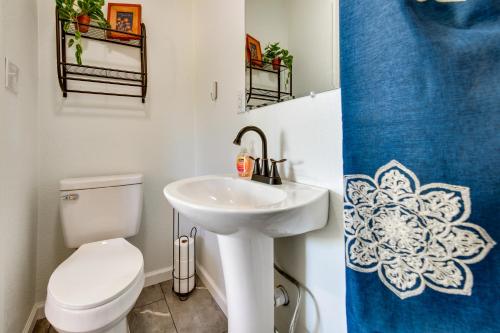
{"x": 414, "y": 236}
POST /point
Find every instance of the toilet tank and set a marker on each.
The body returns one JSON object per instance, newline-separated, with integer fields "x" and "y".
{"x": 99, "y": 208}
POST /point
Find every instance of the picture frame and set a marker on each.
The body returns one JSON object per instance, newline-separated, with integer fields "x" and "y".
{"x": 124, "y": 17}
{"x": 254, "y": 51}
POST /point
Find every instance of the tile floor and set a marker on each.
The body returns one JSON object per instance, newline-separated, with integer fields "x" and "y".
{"x": 158, "y": 310}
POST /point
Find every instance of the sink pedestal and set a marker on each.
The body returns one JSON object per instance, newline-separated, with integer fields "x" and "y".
{"x": 247, "y": 216}
{"x": 247, "y": 260}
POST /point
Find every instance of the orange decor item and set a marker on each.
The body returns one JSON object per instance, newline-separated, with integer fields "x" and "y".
{"x": 124, "y": 17}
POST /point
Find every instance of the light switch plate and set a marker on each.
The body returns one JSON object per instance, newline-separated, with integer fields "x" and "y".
{"x": 11, "y": 76}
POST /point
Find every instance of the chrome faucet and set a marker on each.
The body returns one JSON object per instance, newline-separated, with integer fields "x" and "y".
{"x": 261, "y": 171}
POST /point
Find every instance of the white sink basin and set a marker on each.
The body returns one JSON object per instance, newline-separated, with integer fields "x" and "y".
{"x": 225, "y": 205}
{"x": 246, "y": 216}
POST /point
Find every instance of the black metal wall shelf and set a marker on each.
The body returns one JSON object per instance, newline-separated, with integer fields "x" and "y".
{"x": 269, "y": 95}
{"x": 67, "y": 71}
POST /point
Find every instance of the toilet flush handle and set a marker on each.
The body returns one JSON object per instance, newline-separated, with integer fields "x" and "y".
{"x": 70, "y": 196}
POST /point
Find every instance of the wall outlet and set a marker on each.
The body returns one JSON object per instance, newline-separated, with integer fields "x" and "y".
{"x": 11, "y": 76}
{"x": 241, "y": 102}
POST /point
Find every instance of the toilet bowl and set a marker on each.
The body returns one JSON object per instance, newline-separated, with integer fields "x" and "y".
{"x": 93, "y": 290}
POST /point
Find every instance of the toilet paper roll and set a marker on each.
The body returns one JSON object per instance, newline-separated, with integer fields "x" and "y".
{"x": 181, "y": 268}
{"x": 185, "y": 244}
{"x": 183, "y": 286}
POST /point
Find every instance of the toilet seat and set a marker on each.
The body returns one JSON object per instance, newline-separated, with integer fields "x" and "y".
{"x": 96, "y": 286}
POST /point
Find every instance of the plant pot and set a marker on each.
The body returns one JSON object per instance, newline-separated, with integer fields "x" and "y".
{"x": 83, "y": 19}
{"x": 276, "y": 63}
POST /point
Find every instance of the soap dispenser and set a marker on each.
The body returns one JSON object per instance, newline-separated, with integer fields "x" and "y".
{"x": 244, "y": 164}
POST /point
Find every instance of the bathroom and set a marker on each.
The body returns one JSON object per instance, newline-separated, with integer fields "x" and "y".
{"x": 194, "y": 107}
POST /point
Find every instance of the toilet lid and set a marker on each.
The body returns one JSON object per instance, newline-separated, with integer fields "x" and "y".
{"x": 96, "y": 274}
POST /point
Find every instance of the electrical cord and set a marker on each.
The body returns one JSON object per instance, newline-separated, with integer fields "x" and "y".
{"x": 295, "y": 316}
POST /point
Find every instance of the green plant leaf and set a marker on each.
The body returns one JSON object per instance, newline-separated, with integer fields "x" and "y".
{"x": 69, "y": 10}
{"x": 272, "y": 51}
{"x": 78, "y": 53}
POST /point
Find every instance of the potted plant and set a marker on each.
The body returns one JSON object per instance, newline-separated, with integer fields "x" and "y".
{"x": 90, "y": 9}
{"x": 274, "y": 54}
{"x": 80, "y": 12}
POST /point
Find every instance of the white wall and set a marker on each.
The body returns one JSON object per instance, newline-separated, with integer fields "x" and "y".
{"x": 87, "y": 135}
{"x": 313, "y": 40}
{"x": 3, "y": 191}
{"x": 306, "y": 131}
{"x": 219, "y": 25}
{"x": 18, "y": 165}
{"x": 267, "y": 21}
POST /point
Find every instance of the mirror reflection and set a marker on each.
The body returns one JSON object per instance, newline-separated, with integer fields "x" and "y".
{"x": 291, "y": 49}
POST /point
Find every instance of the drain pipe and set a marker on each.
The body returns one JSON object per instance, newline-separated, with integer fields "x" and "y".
{"x": 281, "y": 297}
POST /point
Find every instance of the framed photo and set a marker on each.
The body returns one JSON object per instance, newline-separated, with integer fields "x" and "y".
{"x": 254, "y": 52}
{"x": 124, "y": 17}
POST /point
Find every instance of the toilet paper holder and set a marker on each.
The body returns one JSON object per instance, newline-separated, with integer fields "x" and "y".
{"x": 184, "y": 259}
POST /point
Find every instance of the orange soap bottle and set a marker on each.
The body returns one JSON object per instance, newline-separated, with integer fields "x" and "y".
{"x": 244, "y": 164}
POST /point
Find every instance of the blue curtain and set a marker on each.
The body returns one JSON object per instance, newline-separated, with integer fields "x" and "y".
{"x": 421, "y": 116}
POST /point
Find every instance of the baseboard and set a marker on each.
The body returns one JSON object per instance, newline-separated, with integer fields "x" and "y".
{"x": 151, "y": 278}
{"x": 212, "y": 287}
{"x": 158, "y": 276}
{"x": 37, "y": 312}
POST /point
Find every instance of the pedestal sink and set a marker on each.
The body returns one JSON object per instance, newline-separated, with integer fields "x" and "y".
{"x": 247, "y": 216}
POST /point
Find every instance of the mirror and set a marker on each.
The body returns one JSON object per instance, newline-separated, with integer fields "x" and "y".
{"x": 291, "y": 49}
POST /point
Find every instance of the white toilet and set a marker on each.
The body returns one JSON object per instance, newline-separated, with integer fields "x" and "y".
{"x": 94, "y": 289}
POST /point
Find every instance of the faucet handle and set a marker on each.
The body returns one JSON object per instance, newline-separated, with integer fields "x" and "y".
{"x": 256, "y": 165}
{"x": 274, "y": 167}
